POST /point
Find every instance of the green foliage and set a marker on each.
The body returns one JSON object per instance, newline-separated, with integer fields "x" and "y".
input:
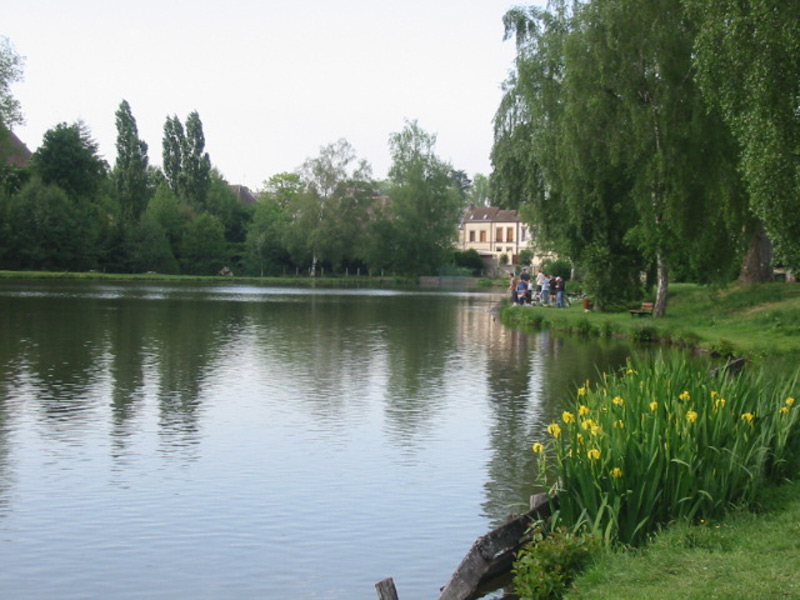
{"x": 147, "y": 248}
{"x": 68, "y": 158}
{"x": 264, "y": 251}
{"x": 526, "y": 257}
{"x": 748, "y": 64}
{"x": 130, "y": 174}
{"x": 223, "y": 203}
{"x": 202, "y": 249}
{"x": 425, "y": 207}
{"x": 187, "y": 165}
{"x": 471, "y": 260}
{"x": 172, "y": 146}
{"x": 479, "y": 192}
{"x": 644, "y": 333}
{"x": 607, "y": 141}
{"x": 42, "y": 228}
{"x": 10, "y": 72}
{"x": 546, "y": 566}
{"x": 196, "y": 164}
{"x": 664, "y": 440}
{"x": 557, "y": 268}
{"x": 166, "y": 209}
{"x": 326, "y": 216}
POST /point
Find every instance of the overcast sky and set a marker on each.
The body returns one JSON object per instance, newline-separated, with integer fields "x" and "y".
{"x": 273, "y": 81}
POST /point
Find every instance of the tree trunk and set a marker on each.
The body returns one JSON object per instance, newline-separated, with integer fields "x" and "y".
{"x": 662, "y": 271}
{"x": 757, "y": 263}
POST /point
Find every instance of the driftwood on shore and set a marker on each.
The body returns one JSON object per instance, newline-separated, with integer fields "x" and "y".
{"x": 493, "y": 554}
{"x": 490, "y": 557}
{"x": 733, "y": 367}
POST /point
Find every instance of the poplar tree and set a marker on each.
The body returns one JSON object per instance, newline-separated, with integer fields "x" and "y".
{"x": 187, "y": 165}
{"x": 196, "y": 163}
{"x": 130, "y": 174}
{"x": 172, "y": 153}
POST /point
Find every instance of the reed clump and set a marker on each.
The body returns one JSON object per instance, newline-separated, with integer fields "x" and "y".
{"x": 663, "y": 440}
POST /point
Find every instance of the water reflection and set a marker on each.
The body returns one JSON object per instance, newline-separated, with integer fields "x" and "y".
{"x": 286, "y": 421}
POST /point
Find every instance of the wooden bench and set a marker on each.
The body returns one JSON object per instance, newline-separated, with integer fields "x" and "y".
{"x": 646, "y": 309}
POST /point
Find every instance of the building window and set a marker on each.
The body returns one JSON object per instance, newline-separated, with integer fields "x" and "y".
{"x": 509, "y": 234}
{"x": 499, "y": 235}
{"x": 483, "y": 236}
{"x": 472, "y": 235}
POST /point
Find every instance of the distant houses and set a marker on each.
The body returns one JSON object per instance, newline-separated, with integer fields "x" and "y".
{"x": 499, "y": 236}
{"x": 12, "y": 150}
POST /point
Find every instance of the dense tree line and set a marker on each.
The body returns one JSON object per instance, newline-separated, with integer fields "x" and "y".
{"x": 68, "y": 210}
{"x": 656, "y": 137}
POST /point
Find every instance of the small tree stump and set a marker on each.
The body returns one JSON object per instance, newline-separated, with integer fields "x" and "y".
{"x": 386, "y": 589}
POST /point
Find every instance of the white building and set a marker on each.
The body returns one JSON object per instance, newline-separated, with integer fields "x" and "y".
{"x": 498, "y": 235}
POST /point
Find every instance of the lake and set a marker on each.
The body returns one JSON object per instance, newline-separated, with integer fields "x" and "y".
{"x": 188, "y": 441}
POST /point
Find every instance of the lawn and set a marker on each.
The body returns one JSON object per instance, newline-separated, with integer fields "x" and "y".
{"x": 747, "y": 555}
{"x": 759, "y": 321}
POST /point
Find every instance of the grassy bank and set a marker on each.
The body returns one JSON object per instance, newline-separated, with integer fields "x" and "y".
{"x": 756, "y": 321}
{"x": 743, "y": 553}
{"x": 749, "y": 554}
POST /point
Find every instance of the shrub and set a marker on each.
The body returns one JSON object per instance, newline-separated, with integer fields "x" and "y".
{"x": 559, "y": 268}
{"x": 644, "y": 334}
{"x": 547, "y": 565}
{"x": 584, "y": 327}
{"x": 469, "y": 260}
{"x": 607, "y": 329}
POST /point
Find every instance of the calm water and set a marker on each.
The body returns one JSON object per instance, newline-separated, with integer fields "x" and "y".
{"x": 194, "y": 441}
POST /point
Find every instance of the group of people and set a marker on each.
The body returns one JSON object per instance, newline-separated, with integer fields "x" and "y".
{"x": 548, "y": 289}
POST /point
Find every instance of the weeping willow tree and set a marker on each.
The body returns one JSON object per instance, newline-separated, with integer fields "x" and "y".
{"x": 748, "y": 58}
{"x": 606, "y": 138}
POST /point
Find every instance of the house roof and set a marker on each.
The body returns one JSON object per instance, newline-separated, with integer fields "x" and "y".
{"x": 244, "y": 194}
{"x": 490, "y": 214}
{"x": 13, "y": 150}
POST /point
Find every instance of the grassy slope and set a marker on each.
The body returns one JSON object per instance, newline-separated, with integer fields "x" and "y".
{"x": 756, "y": 320}
{"x": 746, "y": 555}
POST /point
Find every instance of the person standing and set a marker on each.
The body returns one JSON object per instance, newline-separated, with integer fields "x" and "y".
{"x": 560, "y": 288}
{"x": 512, "y": 286}
{"x": 546, "y": 290}
{"x": 540, "y": 277}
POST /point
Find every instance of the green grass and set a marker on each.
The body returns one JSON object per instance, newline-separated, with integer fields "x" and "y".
{"x": 759, "y": 321}
{"x": 300, "y": 280}
{"x": 747, "y": 555}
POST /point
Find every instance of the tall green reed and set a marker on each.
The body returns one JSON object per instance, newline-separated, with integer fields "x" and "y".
{"x": 663, "y": 440}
